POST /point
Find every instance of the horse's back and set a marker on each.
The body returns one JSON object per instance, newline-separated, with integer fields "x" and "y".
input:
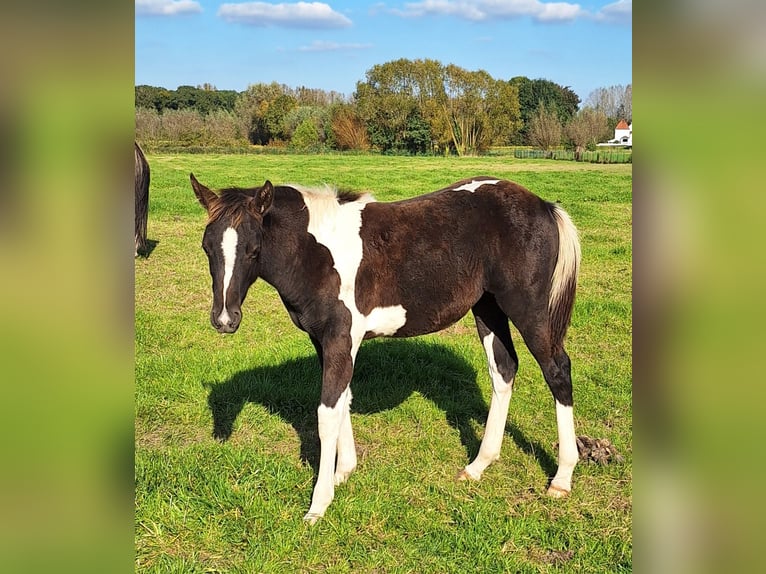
{"x": 438, "y": 253}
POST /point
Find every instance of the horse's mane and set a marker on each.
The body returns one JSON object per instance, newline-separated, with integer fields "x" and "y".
{"x": 328, "y": 192}
{"x": 324, "y": 202}
{"x": 231, "y": 202}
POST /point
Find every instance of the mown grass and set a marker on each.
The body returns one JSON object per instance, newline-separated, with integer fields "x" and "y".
{"x": 226, "y": 440}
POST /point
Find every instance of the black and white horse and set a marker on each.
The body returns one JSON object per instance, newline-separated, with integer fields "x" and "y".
{"x": 142, "y": 199}
{"x": 350, "y": 268}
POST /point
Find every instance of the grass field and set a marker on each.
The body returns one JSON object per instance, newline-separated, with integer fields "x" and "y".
{"x": 226, "y": 441}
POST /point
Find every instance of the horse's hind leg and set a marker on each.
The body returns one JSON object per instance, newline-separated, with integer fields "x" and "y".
{"x": 556, "y": 367}
{"x": 502, "y": 361}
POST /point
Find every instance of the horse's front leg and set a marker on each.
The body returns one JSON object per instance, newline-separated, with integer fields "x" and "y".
{"x": 346, "y": 446}
{"x": 334, "y": 425}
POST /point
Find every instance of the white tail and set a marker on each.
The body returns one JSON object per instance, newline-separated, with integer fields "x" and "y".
{"x": 564, "y": 280}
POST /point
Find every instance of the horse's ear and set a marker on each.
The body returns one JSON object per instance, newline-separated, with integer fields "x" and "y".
{"x": 263, "y": 198}
{"x": 204, "y": 195}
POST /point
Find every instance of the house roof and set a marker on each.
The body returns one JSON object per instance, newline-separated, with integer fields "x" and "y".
{"x": 622, "y": 125}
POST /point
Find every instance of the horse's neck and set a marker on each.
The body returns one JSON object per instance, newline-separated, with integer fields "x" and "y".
{"x": 283, "y": 253}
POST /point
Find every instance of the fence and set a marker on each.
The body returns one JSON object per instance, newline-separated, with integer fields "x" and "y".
{"x": 598, "y": 156}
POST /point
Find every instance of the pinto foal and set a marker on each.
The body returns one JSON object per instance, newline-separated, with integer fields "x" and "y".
{"x": 349, "y": 268}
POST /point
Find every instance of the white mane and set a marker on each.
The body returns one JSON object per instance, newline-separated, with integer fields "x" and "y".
{"x": 324, "y": 208}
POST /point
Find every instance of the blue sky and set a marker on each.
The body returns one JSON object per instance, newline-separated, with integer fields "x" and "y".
{"x": 330, "y": 45}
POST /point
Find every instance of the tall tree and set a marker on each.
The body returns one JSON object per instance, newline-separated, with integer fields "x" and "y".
{"x": 386, "y": 102}
{"x": 504, "y": 112}
{"x": 466, "y": 108}
{"x": 419, "y": 105}
{"x": 252, "y": 110}
{"x": 616, "y": 102}
{"x": 559, "y": 99}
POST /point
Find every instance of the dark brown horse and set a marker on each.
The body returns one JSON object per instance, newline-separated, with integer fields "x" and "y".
{"x": 142, "y": 200}
{"x": 349, "y": 268}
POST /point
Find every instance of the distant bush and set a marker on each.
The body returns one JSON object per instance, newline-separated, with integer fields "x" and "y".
{"x": 305, "y": 136}
{"x": 348, "y": 130}
{"x": 221, "y": 128}
{"x": 597, "y": 156}
{"x": 148, "y": 125}
{"x": 187, "y": 128}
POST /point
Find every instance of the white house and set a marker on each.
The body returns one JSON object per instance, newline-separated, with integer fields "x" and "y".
{"x": 623, "y": 135}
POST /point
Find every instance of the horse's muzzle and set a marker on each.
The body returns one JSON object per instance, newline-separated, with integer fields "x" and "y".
{"x": 226, "y": 321}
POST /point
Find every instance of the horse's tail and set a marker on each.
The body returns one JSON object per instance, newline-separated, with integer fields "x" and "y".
{"x": 142, "y": 198}
{"x": 564, "y": 279}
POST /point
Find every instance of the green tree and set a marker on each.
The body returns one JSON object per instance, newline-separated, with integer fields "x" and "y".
{"x": 385, "y": 102}
{"x": 305, "y": 137}
{"x": 559, "y": 99}
{"x": 152, "y": 97}
{"x": 274, "y": 114}
{"x": 251, "y": 109}
{"x": 417, "y": 106}
{"x": 480, "y": 110}
{"x": 319, "y": 116}
{"x": 504, "y": 112}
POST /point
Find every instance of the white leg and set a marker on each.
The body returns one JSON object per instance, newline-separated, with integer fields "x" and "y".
{"x": 489, "y": 451}
{"x": 561, "y": 485}
{"x": 346, "y": 447}
{"x": 330, "y": 419}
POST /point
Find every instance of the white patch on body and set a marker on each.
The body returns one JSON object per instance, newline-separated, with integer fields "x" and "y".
{"x": 474, "y": 185}
{"x": 229, "y": 248}
{"x": 386, "y": 321}
{"x": 336, "y": 226}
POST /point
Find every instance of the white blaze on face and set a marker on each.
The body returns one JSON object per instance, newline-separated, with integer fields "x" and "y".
{"x": 229, "y": 248}
{"x": 474, "y": 185}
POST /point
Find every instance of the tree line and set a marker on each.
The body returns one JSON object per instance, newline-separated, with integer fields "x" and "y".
{"x": 403, "y": 107}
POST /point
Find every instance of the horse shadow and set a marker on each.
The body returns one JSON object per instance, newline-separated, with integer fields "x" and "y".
{"x": 146, "y": 251}
{"x": 382, "y": 381}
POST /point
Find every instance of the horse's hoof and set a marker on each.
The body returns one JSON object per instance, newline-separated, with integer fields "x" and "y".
{"x": 311, "y": 518}
{"x": 556, "y": 492}
{"x": 465, "y": 475}
{"x": 342, "y": 476}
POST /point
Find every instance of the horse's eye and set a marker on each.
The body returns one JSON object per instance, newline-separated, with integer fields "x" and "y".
{"x": 251, "y": 252}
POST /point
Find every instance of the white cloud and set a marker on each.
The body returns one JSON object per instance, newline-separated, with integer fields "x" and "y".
{"x": 323, "y": 46}
{"x": 166, "y": 7}
{"x": 493, "y": 9}
{"x": 620, "y": 12}
{"x": 295, "y": 15}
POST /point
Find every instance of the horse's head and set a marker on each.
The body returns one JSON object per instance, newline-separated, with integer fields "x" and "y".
{"x": 232, "y": 242}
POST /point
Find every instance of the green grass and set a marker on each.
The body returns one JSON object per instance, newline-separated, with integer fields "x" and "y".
{"x": 226, "y": 440}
